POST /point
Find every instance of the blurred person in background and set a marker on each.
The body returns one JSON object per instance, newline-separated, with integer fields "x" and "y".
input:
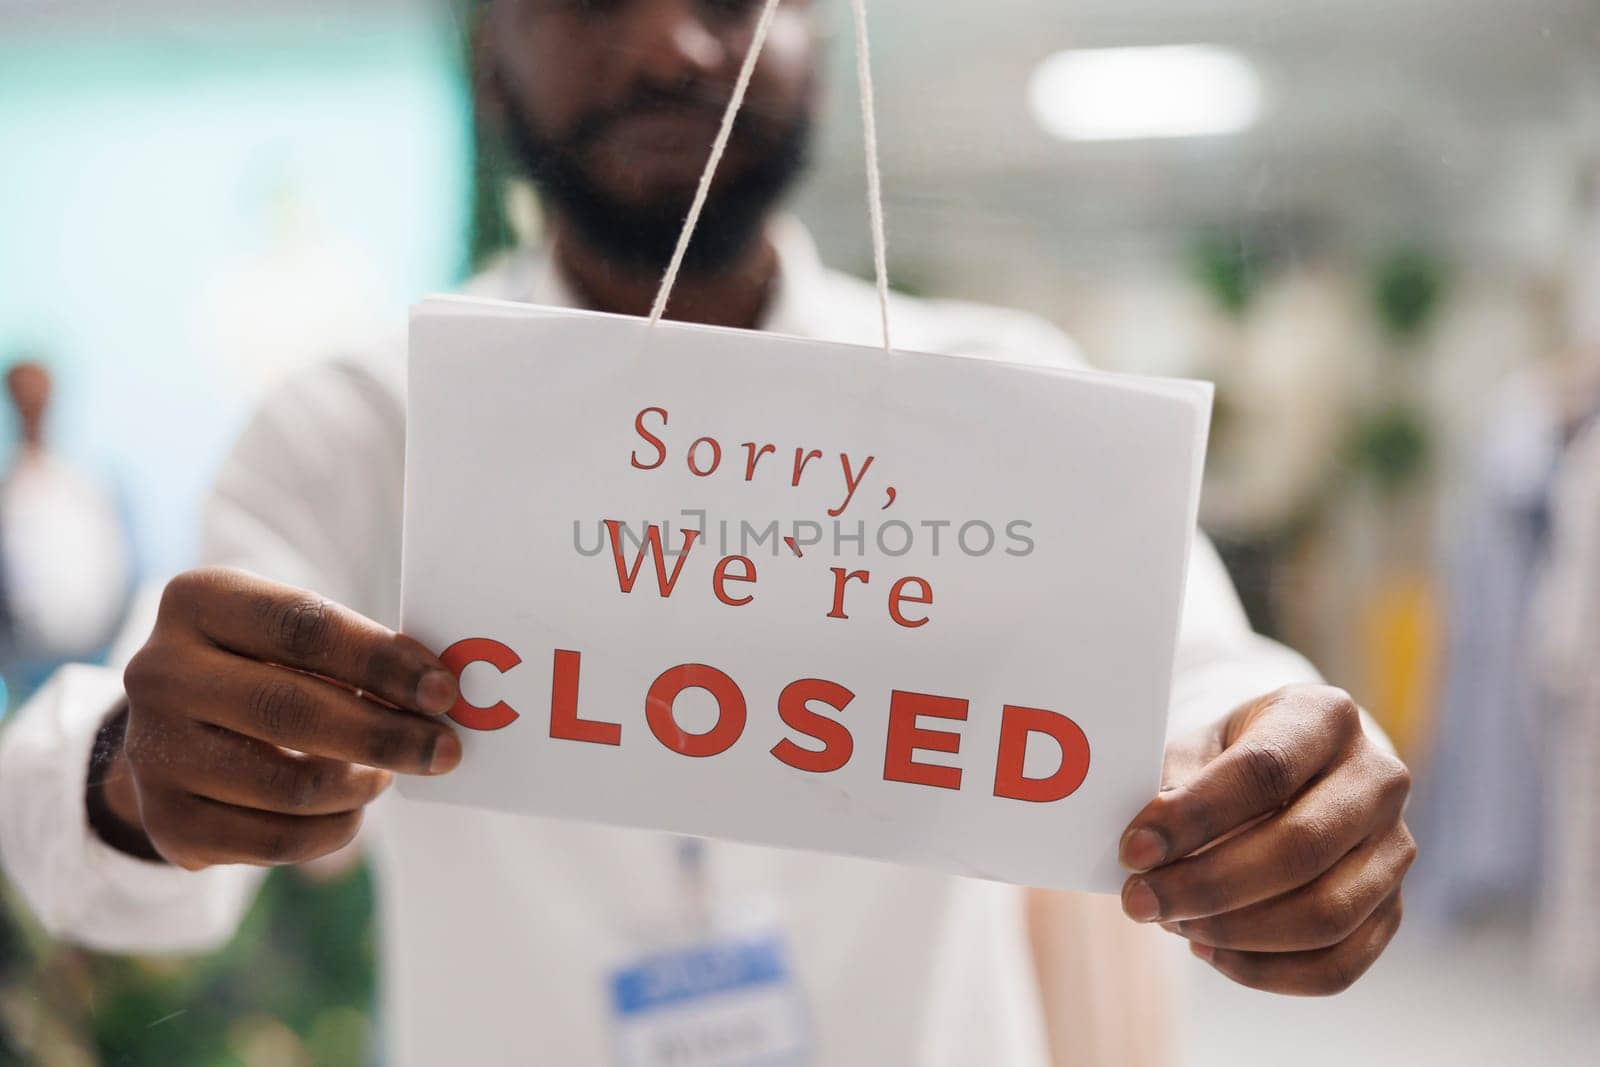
{"x": 137, "y": 809}
{"x": 64, "y": 559}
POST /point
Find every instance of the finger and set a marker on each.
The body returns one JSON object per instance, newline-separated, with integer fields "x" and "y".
{"x": 1319, "y": 915}
{"x": 309, "y": 715}
{"x": 1318, "y": 973}
{"x": 248, "y": 773}
{"x": 276, "y": 623}
{"x": 193, "y": 832}
{"x": 1285, "y": 851}
{"x": 1188, "y": 756}
{"x": 1289, "y": 738}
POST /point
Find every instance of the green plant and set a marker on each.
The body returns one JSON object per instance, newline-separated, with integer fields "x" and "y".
{"x": 1408, "y": 287}
{"x": 1228, "y": 266}
{"x": 1391, "y": 446}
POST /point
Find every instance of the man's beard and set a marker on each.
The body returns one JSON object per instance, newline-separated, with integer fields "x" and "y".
{"x": 643, "y": 236}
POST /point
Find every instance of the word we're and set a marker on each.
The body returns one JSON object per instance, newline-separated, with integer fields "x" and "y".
{"x": 742, "y": 570}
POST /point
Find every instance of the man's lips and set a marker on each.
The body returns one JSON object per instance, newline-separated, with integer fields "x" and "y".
{"x": 660, "y": 146}
{"x": 663, "y": 133}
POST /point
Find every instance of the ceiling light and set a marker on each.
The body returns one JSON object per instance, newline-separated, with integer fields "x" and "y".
{"x": 1115, "y": 94}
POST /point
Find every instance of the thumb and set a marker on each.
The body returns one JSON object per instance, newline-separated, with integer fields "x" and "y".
{"x": 1269, "y": 749}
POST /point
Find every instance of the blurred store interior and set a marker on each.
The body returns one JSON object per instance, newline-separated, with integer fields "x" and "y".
{"x": 1375, "y": 225}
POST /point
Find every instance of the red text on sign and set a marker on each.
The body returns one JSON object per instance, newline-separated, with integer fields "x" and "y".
{"x": 915, "y": 723}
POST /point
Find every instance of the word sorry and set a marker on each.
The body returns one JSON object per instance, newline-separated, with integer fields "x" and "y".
{"x": 797, "y": 704}
{"x": 704, "y": 458}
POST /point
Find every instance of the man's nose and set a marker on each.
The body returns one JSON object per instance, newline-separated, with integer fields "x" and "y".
{"x": 674, "y": 43}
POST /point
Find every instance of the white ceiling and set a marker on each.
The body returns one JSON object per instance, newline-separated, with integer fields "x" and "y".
{"x": 1384, "y": 115}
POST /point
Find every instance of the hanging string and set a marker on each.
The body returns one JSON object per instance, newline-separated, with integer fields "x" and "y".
{"x": 869, "y": 129}
{"x": 720, "y": 145}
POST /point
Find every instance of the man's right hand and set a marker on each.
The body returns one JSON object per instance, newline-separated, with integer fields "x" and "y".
{"x": 263, "y": 719}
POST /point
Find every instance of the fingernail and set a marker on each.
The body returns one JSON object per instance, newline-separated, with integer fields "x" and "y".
{"x": 1140, "y": 902}
{"x": 446, "y": 754}
{"x": 1204, "y": 952}
{"x": 436, "y": 692}
{"x": 1143, "y": 849}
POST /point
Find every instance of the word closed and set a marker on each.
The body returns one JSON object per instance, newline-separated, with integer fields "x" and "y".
{"x": 908, "y": 728}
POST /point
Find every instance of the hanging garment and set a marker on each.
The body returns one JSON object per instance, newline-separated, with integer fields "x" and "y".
{"x": 1565, "y": 639}
{"x": 1478, "y": 808}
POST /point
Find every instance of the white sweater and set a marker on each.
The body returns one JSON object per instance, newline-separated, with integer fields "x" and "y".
{"x": 497, "y": 932}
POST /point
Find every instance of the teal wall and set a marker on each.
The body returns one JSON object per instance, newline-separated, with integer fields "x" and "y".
{"x": 141, "y": 170}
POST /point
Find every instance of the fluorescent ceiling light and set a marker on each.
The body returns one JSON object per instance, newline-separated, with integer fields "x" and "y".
{"x": 1115, "y": 94}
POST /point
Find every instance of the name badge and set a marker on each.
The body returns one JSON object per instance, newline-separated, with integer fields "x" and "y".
{"x": 729, "y": 1002}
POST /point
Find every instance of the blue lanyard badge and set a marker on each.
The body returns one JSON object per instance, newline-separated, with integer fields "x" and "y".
{"x": 726, "y": 998}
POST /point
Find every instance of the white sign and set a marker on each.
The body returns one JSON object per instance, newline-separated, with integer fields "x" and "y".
{"x": 912, "y": 607}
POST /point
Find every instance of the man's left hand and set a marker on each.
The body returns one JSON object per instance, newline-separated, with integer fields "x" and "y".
{"x": 1276, "y": 846}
